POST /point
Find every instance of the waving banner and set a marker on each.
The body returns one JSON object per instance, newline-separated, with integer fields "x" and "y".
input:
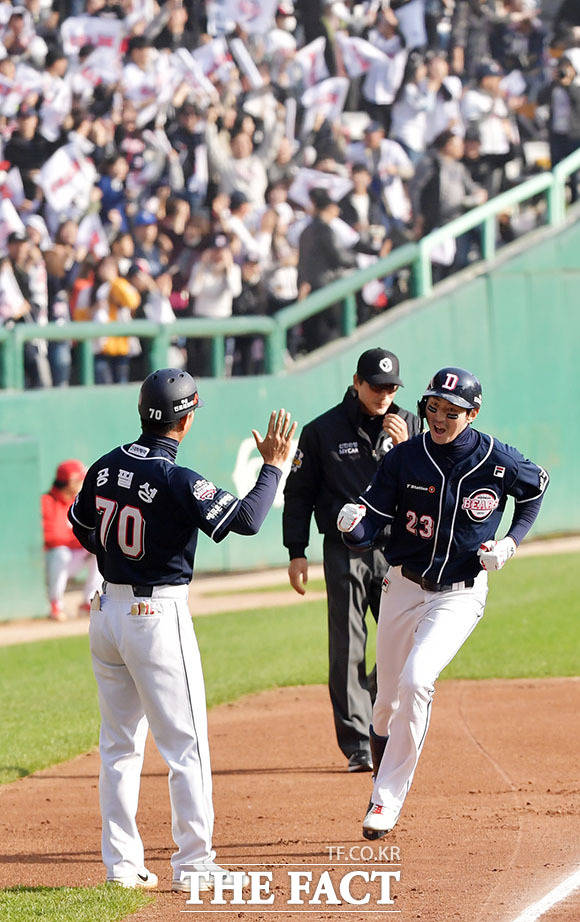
{"x": 326, "y": 98}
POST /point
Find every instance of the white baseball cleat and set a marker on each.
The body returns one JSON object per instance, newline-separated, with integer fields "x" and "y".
{"x": 378, "y": 822}
{"x": 207, "y": 876}
{"x": 144, "y": 879}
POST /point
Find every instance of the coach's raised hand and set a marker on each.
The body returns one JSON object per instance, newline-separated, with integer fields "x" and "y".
{"x": 275, "y": 447}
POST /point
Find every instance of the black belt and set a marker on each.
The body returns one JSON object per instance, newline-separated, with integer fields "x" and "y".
{"x": 430, "y": 586}
{"x": 146, "y": 592}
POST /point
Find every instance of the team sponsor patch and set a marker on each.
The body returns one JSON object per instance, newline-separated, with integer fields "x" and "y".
{"x": 140, "y": 451}
{"x": 544, "y": 479}
{"x": 204, "y": 490}
{"x": 421, "y": 487}
{"x": 498, "y": 471}
{"x": 186, "y": 403}
{"x": 386, "y": 584}
{"x": 297, "y": 461}
{"x": 480, "y": 505}
{"x": 348, "y": 448}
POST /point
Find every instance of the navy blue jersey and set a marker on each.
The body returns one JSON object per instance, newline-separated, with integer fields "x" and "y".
{"x": 144, "y": 512}
{"x": 439, "y": 520}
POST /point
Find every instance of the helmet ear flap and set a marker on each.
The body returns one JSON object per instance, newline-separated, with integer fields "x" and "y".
{"x": 421, "y": 409}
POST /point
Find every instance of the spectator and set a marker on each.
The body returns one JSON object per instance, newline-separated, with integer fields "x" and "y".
{"x": 384, "y": 78}
{"x": 24, "y": 309}
{"x": 564, "y": 107}
{"x": 389, "y": 165}
{"x": 442, "y": 190}
{"x": 214, "y": 283}
{"x": 115, "y": 300}
{"x": 253, "y": 300}
{"x": 485, "y": 106}
{"x": 321, "y": 260}
{"x": 64, "y": 556}
{"x": 147, "y": 246}
{"x": 28, "y": 150}
{"x": 114, "y": 195}
{"x": 241, "y": 168}
{"x": 414, "y": 103}
{"x": 471, "y": 28}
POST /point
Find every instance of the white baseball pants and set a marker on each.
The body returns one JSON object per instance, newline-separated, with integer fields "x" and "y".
{"x": 62, "y": 563}
{"x": 148, "y": 672}
{"x": 418, "y": 634}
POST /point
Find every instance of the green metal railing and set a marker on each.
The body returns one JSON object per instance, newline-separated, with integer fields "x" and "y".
{"x": 416, "y": 256}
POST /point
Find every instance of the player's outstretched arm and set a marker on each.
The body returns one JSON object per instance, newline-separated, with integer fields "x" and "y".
{"x": 275, "y": 446}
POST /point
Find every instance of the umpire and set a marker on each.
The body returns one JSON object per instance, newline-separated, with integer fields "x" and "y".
{"x": 337, "y": 456}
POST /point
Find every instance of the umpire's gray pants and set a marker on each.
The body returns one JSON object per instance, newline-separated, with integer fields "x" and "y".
{"x": 353, "y": 585}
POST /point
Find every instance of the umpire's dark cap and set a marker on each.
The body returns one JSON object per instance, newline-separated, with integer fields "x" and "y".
{"x": 166, "y": 395}
{"x": 379, "y": 366}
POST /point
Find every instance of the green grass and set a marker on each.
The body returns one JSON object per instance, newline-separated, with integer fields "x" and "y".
{"x": 314, "y": 585}
{"x": 48, "y": 696}
{"x": 69, "y": 904}
{"x": 530, "y": 627}
{"x": 48, "y": 705}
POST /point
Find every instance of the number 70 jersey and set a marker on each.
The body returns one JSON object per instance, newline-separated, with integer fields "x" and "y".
{"x": 145, "y": 512}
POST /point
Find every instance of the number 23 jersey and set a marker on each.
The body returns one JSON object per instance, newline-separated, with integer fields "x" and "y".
{"x": 438, "y": 520}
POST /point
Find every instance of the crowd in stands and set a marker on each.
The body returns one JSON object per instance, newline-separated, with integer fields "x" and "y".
{"x": 229, "y": 157}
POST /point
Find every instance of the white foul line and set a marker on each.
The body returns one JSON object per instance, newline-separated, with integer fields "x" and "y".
{"x": 559, "y": 893}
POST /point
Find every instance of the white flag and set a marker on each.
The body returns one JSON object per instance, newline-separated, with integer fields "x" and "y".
{"x": 311, "y": 60}
{"x": 77, "y": 31}
{"x": 11, "y": 298}
{"x": 256, "y": 17}
{"x": 305, "y": 180}
{"x": 92, "y": 236}
{"x": 9, "y": 221}
{"x": 246, "y": 63}
{"x": 326, "y": 98}
{"x": 212, "y": 57}
{"x": 358, "y": 55}
{"x": 189, "y": 71}
{"x": 12, "y": 187}
{"x": 103, "y": 65}
{"x": 66, "y": 177}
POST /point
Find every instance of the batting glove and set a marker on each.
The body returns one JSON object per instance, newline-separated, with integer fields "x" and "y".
{"x": 494, "y": 554}
{"x": 349, "y": 516}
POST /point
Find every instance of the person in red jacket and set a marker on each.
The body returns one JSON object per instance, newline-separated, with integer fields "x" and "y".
{"x": 65, "y": 556}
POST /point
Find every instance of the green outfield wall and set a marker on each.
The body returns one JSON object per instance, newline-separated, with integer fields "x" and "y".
{"x": 516, "y": 326}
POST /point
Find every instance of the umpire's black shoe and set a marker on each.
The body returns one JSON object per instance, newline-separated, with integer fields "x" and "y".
{"x": 360, "y": 761}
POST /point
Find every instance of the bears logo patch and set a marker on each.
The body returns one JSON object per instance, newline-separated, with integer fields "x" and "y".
{"x": 480, "y": 505}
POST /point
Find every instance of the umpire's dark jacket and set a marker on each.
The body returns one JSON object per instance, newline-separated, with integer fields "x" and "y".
{"x": 334, "y": 463}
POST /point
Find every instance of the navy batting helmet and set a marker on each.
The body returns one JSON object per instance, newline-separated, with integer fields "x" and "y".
{"x": 456, "y": 385}
{"x": 166, "y": 395}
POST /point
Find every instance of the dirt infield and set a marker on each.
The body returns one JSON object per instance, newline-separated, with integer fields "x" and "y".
{"x": 490, "y": 826}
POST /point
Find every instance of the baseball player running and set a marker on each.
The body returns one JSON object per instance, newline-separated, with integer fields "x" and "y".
{"x": 141, "y": 513}
{"x": 444, "y": 493}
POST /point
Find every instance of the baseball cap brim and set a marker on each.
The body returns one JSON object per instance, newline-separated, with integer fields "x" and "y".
{"x": 384, "y": 377}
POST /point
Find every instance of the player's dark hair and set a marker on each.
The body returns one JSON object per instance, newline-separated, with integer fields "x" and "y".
{"x": 158, "y": 429}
